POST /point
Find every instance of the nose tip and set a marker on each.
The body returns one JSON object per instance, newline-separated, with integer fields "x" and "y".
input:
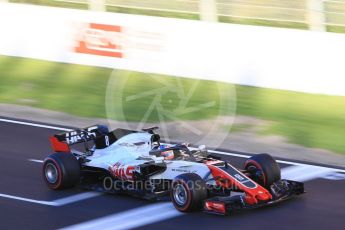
{"x": 264, "y": 196}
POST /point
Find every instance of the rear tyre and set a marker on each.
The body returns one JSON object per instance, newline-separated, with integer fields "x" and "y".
{"x": 61, "y": 170}
{"x": 188, "y": 192}
{"x": 263, "y": 169}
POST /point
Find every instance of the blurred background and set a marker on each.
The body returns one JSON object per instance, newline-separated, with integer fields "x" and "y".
{"x": 284, "y": 121}
{"x": 320, "y": 15}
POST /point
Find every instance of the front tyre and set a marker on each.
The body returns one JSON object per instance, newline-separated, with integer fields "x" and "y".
{"x": 188, "y": 192}
{"x": 263, "y": 169}
{"x": 61, "y": 170}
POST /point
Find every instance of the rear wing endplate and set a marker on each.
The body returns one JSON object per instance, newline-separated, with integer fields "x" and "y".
{"x": 61, "y": 142}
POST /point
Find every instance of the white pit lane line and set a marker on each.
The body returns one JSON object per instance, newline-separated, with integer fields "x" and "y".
{"x": 35, "y": 125}
{"x": 162, "y": 211}
{"x": 132, "y": 218}
{"x": 306, "y": 172}
{"x": 34, "y": 160}
{"x": 58, "y": 202}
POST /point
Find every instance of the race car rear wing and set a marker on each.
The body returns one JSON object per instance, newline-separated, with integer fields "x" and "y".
{"x": 61, "y": 142}
{"x": 98, "y": 133}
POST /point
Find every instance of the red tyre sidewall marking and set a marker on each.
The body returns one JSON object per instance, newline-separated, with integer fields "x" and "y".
{"x": 58, "y": 184}
{"x": 189, "y": 196}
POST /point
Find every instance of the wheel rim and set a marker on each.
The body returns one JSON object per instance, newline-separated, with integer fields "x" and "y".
{"x": 180, "y": 194}
{"x": 51, "y": 173}
{"x": 259, "y": 174}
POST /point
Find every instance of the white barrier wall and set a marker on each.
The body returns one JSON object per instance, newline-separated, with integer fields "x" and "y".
{"x": 258, "y": 56}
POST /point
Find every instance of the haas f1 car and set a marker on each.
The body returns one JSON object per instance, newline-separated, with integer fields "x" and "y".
{"x": 137, "y": 163}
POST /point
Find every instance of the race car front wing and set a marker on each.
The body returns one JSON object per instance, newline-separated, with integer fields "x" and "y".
{"x": 280, "y": 190}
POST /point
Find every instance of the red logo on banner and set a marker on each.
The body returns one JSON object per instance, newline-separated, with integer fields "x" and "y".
{"x": 100, "y": 39}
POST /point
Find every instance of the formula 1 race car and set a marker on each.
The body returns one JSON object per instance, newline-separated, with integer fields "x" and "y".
{"x": 137, "y": 163}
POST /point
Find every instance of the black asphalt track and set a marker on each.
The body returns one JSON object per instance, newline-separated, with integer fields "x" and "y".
{"x": 322, "y": 207}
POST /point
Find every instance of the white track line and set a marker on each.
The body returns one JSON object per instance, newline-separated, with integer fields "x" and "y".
{"x": 279, "y": 161}
{"x": 50, "y": 203}
{"x": 334, "y": 176}
{"x": 305, "y": 172}
{"x": 76, "y": 198}
{"x": 131, "y": 219}
{"x": 35, "y": 160}
{"x": 58, "y": 202}
{"x": 35, "y": 125}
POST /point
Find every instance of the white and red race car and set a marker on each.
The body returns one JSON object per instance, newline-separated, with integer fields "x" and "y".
{"x": 137, "y": 163}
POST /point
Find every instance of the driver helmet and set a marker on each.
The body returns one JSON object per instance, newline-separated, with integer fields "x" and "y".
{"x": 169, "y": 154}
